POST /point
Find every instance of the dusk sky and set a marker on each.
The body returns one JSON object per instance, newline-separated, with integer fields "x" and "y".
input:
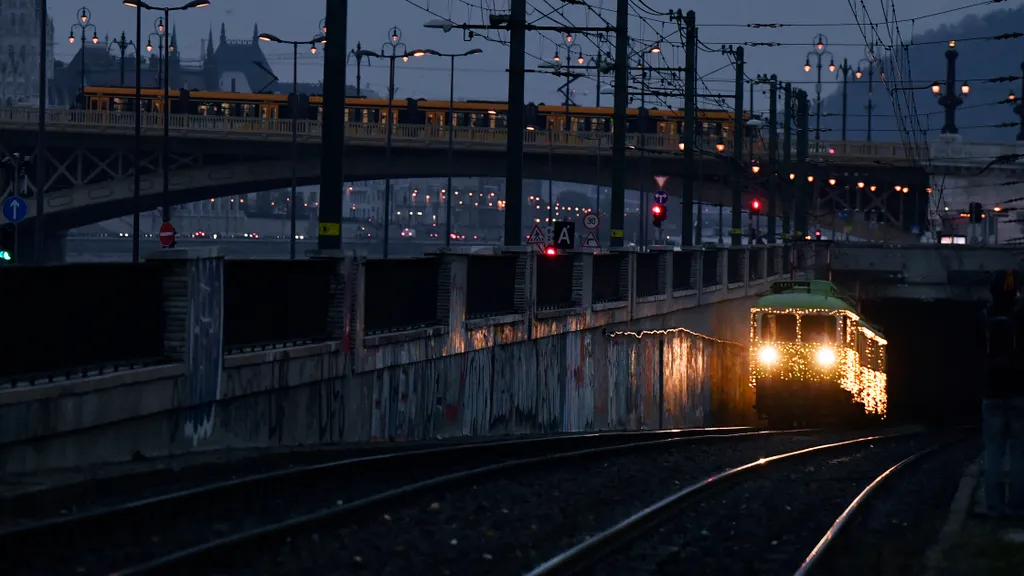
{"x": 483, "y": 76}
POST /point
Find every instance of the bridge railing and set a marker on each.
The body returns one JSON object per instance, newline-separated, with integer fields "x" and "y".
{"x": 309, "y": 130}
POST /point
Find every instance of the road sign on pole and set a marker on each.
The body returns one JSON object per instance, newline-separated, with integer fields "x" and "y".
{"x": 536, "y": 236}
{"x": 591, "y": 221}
{"x": 661, "y": 197}
{"x": 661, "y": 180}
{"x": 15, "y": 209}
{"x": 166, "y": 234}
{"x": 565, "y": 235}
{"x": 591, "y": 241}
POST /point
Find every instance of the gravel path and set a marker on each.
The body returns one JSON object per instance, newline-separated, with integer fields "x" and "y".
{"x": 509, "y": 524}
{"x": 902, "y": 518}
{"x": 766, "y": 524}
{"x": 129, "y": 540}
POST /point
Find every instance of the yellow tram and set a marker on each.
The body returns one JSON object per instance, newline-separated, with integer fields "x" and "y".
{"x": 813, "y": 359}
{"x": 479, "y": 114}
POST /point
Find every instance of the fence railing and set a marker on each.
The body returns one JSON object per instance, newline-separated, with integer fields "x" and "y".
{"x": 194, "y": 125}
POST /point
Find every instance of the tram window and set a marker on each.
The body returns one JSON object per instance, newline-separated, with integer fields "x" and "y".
{"x": 818, "y": 329}
{"x": 778, "y": 327}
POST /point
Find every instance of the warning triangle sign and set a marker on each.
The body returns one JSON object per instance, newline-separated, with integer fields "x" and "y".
{"x": 537, "y": 236}
{"x": 590, "y": 241}
{"x": 661, "y": 180}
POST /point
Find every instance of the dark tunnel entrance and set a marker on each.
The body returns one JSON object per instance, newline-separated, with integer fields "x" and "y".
{"x": 935, "y": 359}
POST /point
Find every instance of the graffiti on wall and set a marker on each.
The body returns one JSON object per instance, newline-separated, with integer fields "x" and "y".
{"x": 204, "y": 345}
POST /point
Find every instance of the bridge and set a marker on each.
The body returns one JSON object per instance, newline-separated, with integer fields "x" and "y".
{"x": 89, "y": 153}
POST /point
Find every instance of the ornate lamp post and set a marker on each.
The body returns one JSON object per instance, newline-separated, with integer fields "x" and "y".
{"x": 123, "y": 44}
{"x": 84, "y": 23}
{"x": 949, "y": 99}
{"x": 819, "y": 52}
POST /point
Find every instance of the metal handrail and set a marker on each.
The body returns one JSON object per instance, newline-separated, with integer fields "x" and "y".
{"x": 592, "y": 142}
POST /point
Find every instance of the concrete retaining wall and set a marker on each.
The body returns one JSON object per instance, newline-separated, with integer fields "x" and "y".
{"x": 588, "y": 368}
{"x": 574, "y": 381}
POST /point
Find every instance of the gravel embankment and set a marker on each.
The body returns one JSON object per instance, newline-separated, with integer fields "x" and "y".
{"x": 509, "y": 524}
{"x": 903, "y": 518}
{"x": 766, "y": 524}
{"x": 129, "y": 540}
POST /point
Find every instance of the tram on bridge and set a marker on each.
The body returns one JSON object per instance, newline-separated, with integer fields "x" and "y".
{"x": 479, "y": 114}
{"x": 813, "y": 359}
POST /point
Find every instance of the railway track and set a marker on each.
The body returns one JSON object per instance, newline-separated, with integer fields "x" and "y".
{"x": 496, "y": 517}
{"x": 132, "y": 532}
{"x": 763, "y": 517}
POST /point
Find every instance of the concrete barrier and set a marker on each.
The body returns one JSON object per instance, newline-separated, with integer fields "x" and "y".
{"x": 657, "y": 362}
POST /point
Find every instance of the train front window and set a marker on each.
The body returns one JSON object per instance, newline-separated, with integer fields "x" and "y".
{"x": 778, "y": 327}
{"x": 818, "y": 329}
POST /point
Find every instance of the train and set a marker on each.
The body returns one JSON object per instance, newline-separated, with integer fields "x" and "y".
{"x": 480, "y": 114}
{"x": 814, "y": 360}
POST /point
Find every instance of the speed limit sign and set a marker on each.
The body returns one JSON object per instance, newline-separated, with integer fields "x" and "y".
{"x": 591, "y": 221}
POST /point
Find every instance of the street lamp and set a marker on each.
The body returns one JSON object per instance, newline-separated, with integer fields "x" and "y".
{"x": 164, "y": 106}
{"x": 819, "y": 52}
{"x": 392, "y": 50}
{"x": 123, "y": 44}
{"x": 451, "y": 135}
{"x": 294, "y": 106}
{"x": 869, "y": 61}
{"x": 159, "y": 31}
{"x": 948, "y": 98}
{"x": 83, "y": 23}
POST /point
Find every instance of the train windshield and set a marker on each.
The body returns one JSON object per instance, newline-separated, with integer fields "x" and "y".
{"x": 778, "y": 327}
{"x": 818, "y": 329}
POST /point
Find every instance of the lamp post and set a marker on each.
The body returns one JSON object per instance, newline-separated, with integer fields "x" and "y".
{"x": 165, "y": 105}
{"x": 392, "y": 50}
{"x": 820, "y": 43}
{"x": 294, "y": 106}
{"x": 949, "y": 99}
{"x": 844, "y": 69}
{"x": 123, "y": 44}
{"x": 84, "y": 23}
{"x": 870, "y": 62}
{"x": 160, "y": 29}
{"x": 358, "y": 53}
{"x": 450, "y": 125}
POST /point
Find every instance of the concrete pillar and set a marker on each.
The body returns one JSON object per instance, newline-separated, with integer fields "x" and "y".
{"x": 193, "y": 299}
{"x": 451, "y": 291}
{"x": 194, "y": 331}
{"x": 583, "y": 280}
{"x": 344, "y": 310}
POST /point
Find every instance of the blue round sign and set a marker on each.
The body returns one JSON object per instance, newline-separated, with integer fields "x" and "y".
{"x": 15, "y": 209}
{"x": 660, "y": 197}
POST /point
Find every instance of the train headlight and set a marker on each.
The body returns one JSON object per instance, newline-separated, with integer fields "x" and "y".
{"x": 825, "y": 356}
{"x": 768, "y": 355}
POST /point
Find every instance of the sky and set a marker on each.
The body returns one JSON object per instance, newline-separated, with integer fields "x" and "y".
{"x": 483, "y": 76}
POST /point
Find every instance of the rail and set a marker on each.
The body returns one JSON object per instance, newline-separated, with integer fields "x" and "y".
{"x": 308, "y": 131}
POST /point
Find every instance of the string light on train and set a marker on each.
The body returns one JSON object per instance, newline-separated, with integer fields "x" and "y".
{"x": 863, "y": 377}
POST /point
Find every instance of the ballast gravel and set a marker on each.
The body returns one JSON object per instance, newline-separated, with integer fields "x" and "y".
{"x": 508, "y": 524}
{"x": 903, "y": 518}
{"x": 766, "y": 524}
{"x": 130, "y": 539}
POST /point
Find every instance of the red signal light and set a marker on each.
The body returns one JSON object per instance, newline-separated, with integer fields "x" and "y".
{"x": 657, "y": 210}
{"x": 550, "y": 251}
{"x": 756, "y": 205}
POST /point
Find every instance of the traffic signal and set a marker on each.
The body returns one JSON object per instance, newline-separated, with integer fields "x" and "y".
{"x": 658, "y": 213}
{"x": 817, "y": 234}
{"x": 550, "y": 250}
{"x": 7, "y": 238}
{"x": 755, "y": 206}
{"x": 974, "y": 212}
